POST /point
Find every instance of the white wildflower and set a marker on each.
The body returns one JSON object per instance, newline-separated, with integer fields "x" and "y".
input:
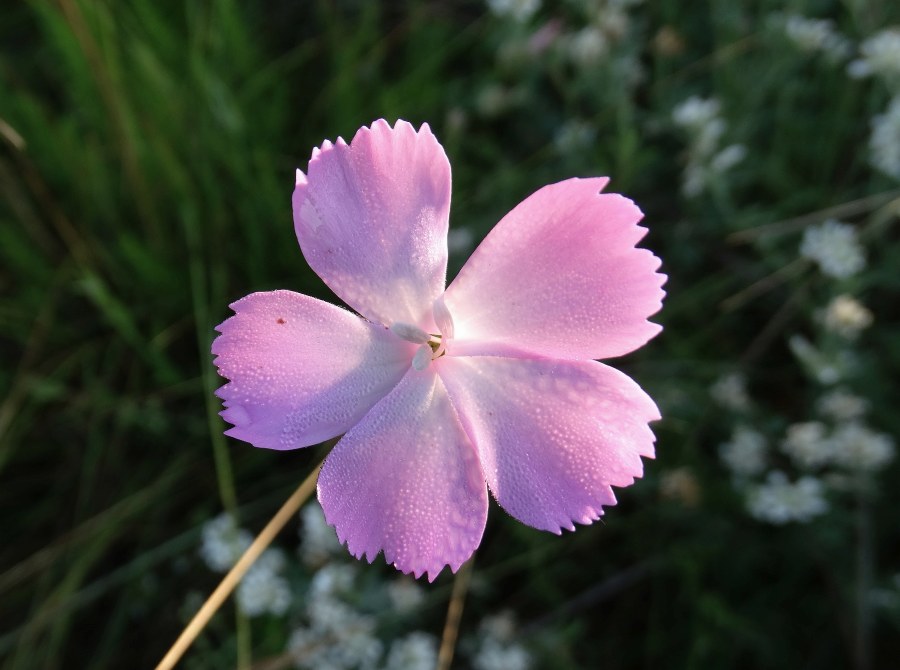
{"x": 745, "y": 453}
{"x": 587, "y": 46}
{"x": 494, "y": 655}
{"x": 808, "y": 445}
{"x": 880, "y": 55}
{"x": 517, "y": 10}
{"x": 319, "y": 541}
{"x": 333, "y": 580}
{"x": 835, "y": 247}
{"x": 846, "y": 316}
{"x": 824, "y": 369}
{"x": 812, "y": 35}
{"x": 840, "y": 405}
{"x": 728, "y": 157}
{"x": 349, "y": 647}
{"x": 884, "y": 142}
{"x": 500, "y": 626}
{"x": 223, "y": 543}
{"x": 263, "y": 590}
{"x": 416, "y": 651}
{"x": 778, "y": 501}
{"x": 699, "y": 118}
{"x": 730, "y": 391}
{"x": 696, "y": 112}
{"x": 405, "y": 594}
{"x": 857, "y": 447}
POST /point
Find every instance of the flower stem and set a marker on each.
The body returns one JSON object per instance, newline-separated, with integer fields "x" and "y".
{"x": 454, "y": 614}
{"x": 233, "y": 578}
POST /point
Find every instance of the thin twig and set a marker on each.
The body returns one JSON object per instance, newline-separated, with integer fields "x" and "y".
{"x": 454, "y": 614}
{"x": 233, "y": 578}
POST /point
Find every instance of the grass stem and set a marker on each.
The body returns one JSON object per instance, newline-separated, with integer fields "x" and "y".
{"x": 232, "y": 579}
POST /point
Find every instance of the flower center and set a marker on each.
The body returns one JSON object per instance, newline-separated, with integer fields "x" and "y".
{"x": 431, "y": 345}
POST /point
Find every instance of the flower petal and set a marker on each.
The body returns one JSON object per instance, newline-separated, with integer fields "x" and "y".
{"x": 406, "y": 480}
{"x": 559, "y": 276}
{"x": 301, "y": 370}
{"x": 552, "y": 436}
{"x": 372, "y": 217}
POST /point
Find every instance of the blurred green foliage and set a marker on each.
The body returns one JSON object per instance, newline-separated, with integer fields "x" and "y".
{"x": 147, "y": 151}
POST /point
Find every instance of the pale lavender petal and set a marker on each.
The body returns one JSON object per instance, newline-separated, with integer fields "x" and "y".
{"x": 559, "y": 276}
{"x": 301, "y": 370}
{"x": 371, "y": 218}
{"x": 552, "y": 436}
{"x": 406, "y": 481}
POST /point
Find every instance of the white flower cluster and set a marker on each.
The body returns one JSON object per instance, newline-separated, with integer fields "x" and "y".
{"x": 707, "y": 160}
{"x": 816, "y": 35}
{"x": 884, "y": 142}
{"x": 879, "y": 56}
{"x": 745, "y": 453}
{"x": 779, "y": 501}
{"x": 835, "y": 247}
{"x": 841, "y": 405}
{"x": 263, "y": 589}
{"x": 825, "y": 368}
{"x": 416, "y": 651}
{"x": 496, "y": 648}
{"x": 857, "y": 447}
{"x": 338, "y": 637}
{"x": 847, "y": 317}
{"x": 517, "y": 10}
{"x": 318, "y": 540}
{"x": 807, "y": 445}
{"x": 730, "y": 391}
{"x": 222, "y": 543}
{"x": 851, "y": 445}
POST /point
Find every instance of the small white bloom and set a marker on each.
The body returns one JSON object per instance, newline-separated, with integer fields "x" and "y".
{"x": 416, "y": 651}
{"x": 332, "y": 580}
{"x": 587, "y": 46}
{"x": 745, "y": 453}
{"x": 500, "y": 626}
{"x": 494, "y": 655}
{"x": 318, "y": 540}
{"x": 880, "y": 55}
{"x": 223, "y": 543}
{"x": 835, "y": 247}
{"x": 730, "y": 391}
{"x": 812, "y": 35}
{"x": 840, "y": 405}
{"x": 728, "y": 157}
{"x": 263, "y": 590}
{"x": 405, "y": 594}
{"x": 778, "y": 501}
{"x": 517, "y": 10}
{"x": 808, "y": 445}
{"x": 884, "y": 142}
{"x": 696, "y": 112}
{"x": 859, "y": 448}
{"x": 847, "y": 317}
{"x": 824, "y": 369}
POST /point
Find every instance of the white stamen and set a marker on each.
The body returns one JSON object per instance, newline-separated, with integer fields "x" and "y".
{"x": 422, "y": 358}
{"x": 409, "y": 332}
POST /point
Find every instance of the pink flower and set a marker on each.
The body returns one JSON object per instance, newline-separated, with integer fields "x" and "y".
{"x": 442, "y": 394}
